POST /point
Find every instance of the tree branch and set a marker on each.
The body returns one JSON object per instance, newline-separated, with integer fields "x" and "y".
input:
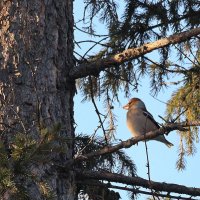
{"x": 94, "y": 67}
{"x": 137, "y": 181}
{"x": 130, "y": 142}
{"x": 135, "y": 191}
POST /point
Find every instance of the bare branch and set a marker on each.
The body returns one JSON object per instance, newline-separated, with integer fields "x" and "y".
{"x": 137, "y": 181}
{"x": 97, "y": 43}
{"x": 135, "y": 191}
{"x": 130, "y": 142}
{"x": 94, "y": 67}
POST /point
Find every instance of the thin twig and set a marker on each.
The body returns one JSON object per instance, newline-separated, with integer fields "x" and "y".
{"x": 163, "y": 119}
{"x": 92, "y": 41}
{"x": 95, "y": 131}
{"x": 94, "y": 46}
{"x": 89, "y": 142}
{"x": 184, "y": 54}
{"x": 148, "y": 172}
{"x": 117, "y": 76}
{"x": 96, "y": 35}
{"x": 91, "y": 139}
{"x": 173, "y": 120}
{"x": 148, "y": 163}
{"x": 195, "y": 57}
{"x": 110, "y": 114}
{"x": 178, "y": 116}
{"x": 96, "y": 109}
{"x": 164, "y": 68}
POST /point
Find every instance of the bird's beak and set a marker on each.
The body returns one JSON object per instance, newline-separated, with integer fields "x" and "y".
{"x": 126, "y": 107}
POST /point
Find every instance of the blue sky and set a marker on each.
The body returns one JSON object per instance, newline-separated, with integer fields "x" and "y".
{"x": 162, "y": 159}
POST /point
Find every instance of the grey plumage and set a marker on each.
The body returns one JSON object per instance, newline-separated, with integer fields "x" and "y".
{"x": 140, "y": 121}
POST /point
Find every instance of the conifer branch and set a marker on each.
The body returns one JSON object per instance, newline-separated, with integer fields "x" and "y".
{"x": 134, "y": 190}
{"x": 130, "y": 142}
{"x": 138, "y": 181}
{"x": 158, "y": 194}
{"x": 94, "y": 67}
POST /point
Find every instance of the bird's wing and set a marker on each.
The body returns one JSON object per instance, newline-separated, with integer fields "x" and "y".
{"x": 150, "y": 117}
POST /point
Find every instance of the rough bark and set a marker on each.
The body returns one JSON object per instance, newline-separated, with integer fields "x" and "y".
{"x": 36, "y": 43}
{"x": 95, "y": 67}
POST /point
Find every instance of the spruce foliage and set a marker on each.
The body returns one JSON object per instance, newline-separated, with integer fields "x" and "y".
{"x": 117, "y": 162}
{"x": 18, "y": 159}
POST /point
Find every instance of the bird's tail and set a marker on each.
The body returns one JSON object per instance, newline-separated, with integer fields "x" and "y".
{"x": 162, "y": 139}
{"x": 169, "y": 144}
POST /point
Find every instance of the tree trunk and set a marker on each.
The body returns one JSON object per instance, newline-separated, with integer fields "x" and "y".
{"x": 36, "y": 43}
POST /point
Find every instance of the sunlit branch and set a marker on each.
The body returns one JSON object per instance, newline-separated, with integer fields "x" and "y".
{"x": 94, "y": 67}
{"x": 130, "y": 142}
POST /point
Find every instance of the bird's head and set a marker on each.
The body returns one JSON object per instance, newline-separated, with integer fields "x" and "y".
{"x": 135, "y": 103}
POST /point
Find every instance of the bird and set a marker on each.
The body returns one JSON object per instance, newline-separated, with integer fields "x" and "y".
{"x": 140, "y": 121}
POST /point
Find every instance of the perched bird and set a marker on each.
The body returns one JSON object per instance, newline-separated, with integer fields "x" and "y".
{"x": 140, "y": 121}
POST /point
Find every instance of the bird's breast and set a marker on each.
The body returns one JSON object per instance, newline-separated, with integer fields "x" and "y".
{"x": 138, "y": 123}
{"x": 135, "y": 123}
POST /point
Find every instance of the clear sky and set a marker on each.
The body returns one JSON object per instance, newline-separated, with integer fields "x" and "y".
{"x": 162, "y": 159}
